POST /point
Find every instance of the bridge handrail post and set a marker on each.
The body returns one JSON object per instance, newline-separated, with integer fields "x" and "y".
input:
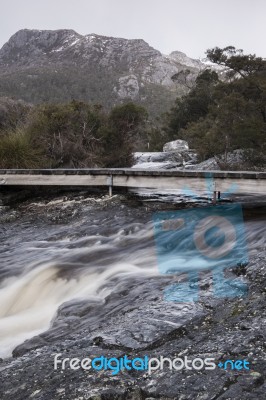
{"x": 110, "y": 184}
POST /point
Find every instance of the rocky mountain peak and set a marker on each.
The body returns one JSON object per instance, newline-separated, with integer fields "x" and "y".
{"x": 44, "y": 40}
{"x": 183, "y": 59}
{"x": 27, "y": 44}
{"x": 46, "y": 65}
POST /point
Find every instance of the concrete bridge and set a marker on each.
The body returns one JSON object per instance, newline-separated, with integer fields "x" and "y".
{"x": 246, "y": 182}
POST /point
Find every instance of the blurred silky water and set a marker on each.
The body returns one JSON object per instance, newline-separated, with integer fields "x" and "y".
{"x": 194, "y": 240}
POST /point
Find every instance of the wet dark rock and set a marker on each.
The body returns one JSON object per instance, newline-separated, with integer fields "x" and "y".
{"x": 134, "y": 319}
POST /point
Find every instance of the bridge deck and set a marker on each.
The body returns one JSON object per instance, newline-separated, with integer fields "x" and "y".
{"x": 242, "y": 182}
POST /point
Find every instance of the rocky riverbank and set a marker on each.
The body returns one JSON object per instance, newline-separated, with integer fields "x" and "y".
{"x": 88, "y": 262}
{"x": 177, "y": 155}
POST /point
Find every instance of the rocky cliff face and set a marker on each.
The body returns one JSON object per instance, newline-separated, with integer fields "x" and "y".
{"x": 60, "y": 65}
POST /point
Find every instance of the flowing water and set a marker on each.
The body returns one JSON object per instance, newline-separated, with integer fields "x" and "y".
{"x": 45, "y": 263}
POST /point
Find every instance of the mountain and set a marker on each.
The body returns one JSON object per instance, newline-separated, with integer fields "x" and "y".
{"x": 54, "y": 66}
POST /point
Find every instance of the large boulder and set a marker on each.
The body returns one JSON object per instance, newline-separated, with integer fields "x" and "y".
{"x": 157, "y": 156}
{"x": 176, "y": 145}
{"x": 157, "y": 160}
{"x": 207, "y": 165}
{"x": 165, "y": 159}
{"x": 232, "y": 161}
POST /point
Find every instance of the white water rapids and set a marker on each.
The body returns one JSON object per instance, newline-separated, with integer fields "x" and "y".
{"x": 40, "y": 275}
{"x": 28, "y": 302}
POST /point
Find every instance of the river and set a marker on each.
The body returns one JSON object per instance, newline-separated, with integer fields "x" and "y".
{"x": 80, "y": 270}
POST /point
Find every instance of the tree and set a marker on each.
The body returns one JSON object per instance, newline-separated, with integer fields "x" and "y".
{"x": 193, "y": 106}
{"x": 122, "y": 134}
{"x": 250, "y": 68}
{"x": 245, "y": 65}
{"x": 68, "y": 133}
{"x": 12, "y": 113}
{"x": 217, "y": 117}
{"x": 74, "y": 134}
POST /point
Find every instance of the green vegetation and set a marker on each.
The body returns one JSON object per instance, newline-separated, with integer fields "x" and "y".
{"x": 61, "y": 84}
{"x": 18, "y": 151}
{"x": 74, "y": 135}
{"x": 123, "y": 134}
{"x": 219, "y": 116}
{"x": 223, "y": 111}
{"x": 12, "y": 113}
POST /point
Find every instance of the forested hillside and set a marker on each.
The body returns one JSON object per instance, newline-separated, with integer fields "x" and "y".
{"x": 217, "y": 117}
{"x": 62, "y": 65}
{"x": 221, "y": 113}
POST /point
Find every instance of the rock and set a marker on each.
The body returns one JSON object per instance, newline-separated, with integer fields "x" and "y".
{"x": 182, "y": 58}
{"x": 165, "y": 159}
{"x": 176, "y": 145}
{"x": 208, "y": 165}
{"x": 128, "y": 87}
{"x": 158, "y": 160}
{"x": 118, "y": 68}
{"x": 176, "y": 155}
{"x": 33, "y": 343}
{"x": 134, "y": 319}
{"x": 153, "y": 157}
{"x": 232, "y": 161}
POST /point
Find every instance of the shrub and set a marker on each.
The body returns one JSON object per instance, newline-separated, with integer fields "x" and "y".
{"x": 17, "y": 151}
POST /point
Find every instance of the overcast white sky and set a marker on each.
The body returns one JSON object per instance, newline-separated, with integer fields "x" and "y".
{"x": 190, "y": 26}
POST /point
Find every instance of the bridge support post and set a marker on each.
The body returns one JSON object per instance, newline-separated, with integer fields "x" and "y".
{"x": 216, "y": 196}
{"x": 110, "y": 184}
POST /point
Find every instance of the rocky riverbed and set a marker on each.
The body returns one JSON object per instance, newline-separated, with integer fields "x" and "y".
{"x": 79, "y": 277}
{"x": 176, "y": 155}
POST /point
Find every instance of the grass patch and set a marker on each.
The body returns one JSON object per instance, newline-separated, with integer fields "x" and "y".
{"x": 17, "y": 151}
